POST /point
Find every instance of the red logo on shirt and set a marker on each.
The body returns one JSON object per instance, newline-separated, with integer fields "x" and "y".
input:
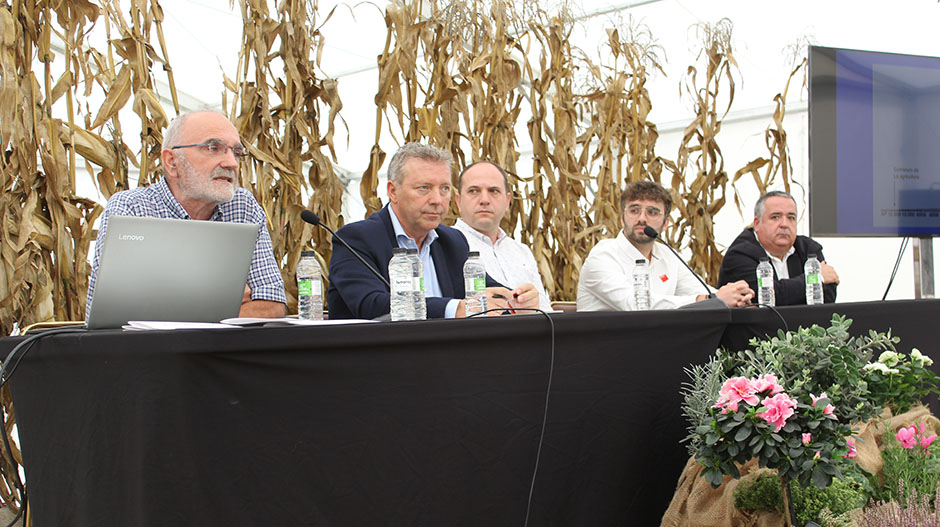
{"x": 664, "y": 278}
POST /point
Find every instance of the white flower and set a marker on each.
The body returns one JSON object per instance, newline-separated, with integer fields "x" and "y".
{"x": 919, "y": 359}
{"x": 889, "y": 358}
{"x": 877, "y": 366}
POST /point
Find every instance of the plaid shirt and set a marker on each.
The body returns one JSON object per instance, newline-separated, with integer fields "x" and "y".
{"x": 156, "y": 201}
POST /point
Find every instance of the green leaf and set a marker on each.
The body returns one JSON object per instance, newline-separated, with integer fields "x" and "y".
{"x": 728, "y": 425}
{"x": 741, "y": 434}
{"x": 820, "y": 478}
{"x": 713, "y": 476}
{"x": 796, "y": 452}
{"x": 711, "y": 438}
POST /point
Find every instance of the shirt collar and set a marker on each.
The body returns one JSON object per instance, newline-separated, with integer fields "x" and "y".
{"x": 633, "y": 253}
{"x": 162, "y": 188}
{"x": 772, "y": 257}
{"x": 403, "y": 238}
{"x": 466, "y": 228}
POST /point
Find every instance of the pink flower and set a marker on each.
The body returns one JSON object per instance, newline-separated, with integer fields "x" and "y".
{"x": 777, "y": 410}
{"x": 767, "y": 382}
{"x": 924, "y": 439}
{"x": 816, "y": 456}
{"x": 807, "y": 438}
{"x": 852, "y": 452}
{"x": 906, "y": 436}
{"x": 735, "y": 390}
{"x": 828, "y": 409}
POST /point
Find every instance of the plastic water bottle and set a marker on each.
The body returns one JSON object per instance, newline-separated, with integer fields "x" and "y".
{"x": 765, "y": 283}
{"x": 309, "y": 287}
{"x": 814, "y": 285}
{"x": 641, "y": 286}
{"x": 401, "y": 277}
{"x": 417, "y": 275}
{"x": 474, "y": 279}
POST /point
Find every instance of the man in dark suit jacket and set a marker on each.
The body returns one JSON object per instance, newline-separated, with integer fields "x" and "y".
{"x": 774, "y": 236}
{"x": 419, "y": 194}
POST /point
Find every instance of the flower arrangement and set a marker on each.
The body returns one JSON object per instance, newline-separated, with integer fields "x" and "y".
{"x": 901, "y": 381}
{"x": 757, "y": 418}
{"x": 789, "y": 402}
{"x": 908, "y": 462}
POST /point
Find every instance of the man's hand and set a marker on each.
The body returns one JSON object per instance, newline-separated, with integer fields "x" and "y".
{"x": 829, "y": 275}
{"x": 495, "y": 299}
{"x": 498, "y": 298}
{"x": 526, "y": 295}
{"x": 260, "y": 308}
{"x": 735, "y": 294}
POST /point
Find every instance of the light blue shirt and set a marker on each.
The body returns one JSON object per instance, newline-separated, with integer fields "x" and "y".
{"x": 431, "y": 286}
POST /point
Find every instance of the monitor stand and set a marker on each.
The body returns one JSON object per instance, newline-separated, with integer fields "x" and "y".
{"x": 923, "y": 267}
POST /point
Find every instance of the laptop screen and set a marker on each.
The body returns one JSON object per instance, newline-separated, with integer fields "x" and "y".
{"x": 168, "y": 269}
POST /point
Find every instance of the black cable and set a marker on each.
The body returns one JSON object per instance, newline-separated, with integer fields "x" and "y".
{"x": 897, "y": 264}
{"x": 548, "y": 391}
{"x": 25, "y": 346}
{"x": 786, "y": 327}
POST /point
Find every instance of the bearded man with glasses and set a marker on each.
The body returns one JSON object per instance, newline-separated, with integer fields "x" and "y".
{"x": 200, "y": 158}
{"x": 606, "y": 282}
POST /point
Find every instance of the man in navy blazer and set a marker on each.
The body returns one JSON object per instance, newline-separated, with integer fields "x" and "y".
{"x": 419, "y": 193}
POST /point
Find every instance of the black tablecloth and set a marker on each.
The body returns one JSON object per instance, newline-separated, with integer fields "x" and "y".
{"x": 410, "y": 423}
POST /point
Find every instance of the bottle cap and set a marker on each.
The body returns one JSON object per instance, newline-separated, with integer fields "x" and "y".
{"x": 411, "y": 251}
{"x": 305, "y": 254}
{"x": 473, "y": 254}
{"x": 399, "y": 250}
{"x": 640, "y": 261}
{"x": 764, "y": 259}
{"x": 811, "y": 255}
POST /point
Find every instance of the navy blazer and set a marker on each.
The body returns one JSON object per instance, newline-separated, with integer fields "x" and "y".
{"x": 741, "y": 259}
{"x": 357, "y": 293}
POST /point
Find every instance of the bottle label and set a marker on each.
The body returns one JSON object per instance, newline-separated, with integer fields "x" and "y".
{"x": 304, "y": 287}
{"x": 762, "y": 282}
{"x": 402, "y": 284}
{"x": 475, "y": 284}
{"x": 812, "y": 279}
{"x": 419, "y": 283}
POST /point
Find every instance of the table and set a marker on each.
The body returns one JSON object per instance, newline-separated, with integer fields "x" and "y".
{"x": 409, "y": 423}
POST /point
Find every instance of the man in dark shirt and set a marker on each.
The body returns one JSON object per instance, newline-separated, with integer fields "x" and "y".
{"x": 774, "y": 236}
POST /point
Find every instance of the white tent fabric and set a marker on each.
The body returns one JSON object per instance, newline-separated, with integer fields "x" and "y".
{"x": 203, "y": 37}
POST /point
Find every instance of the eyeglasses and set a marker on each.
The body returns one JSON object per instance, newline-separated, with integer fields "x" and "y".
{"x": 651, "y": 212}
{"x": 214, "y": 147}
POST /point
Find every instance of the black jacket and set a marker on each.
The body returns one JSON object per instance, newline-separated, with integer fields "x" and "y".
{"x": 741, "y": 259}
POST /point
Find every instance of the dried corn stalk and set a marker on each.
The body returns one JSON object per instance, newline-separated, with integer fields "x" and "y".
{"x": 280, "y": 107}
{"x": 619, "y": 129}
{"x": 778, "y": 161}
{"x": 702, "y": 195}
{"x": 47, "y": 228}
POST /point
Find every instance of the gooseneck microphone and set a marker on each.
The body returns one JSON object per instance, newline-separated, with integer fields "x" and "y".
{"x": 651, "y": 232}
{"x": 311, "y": 218}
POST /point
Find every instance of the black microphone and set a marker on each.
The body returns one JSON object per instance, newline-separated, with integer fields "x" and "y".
{"x": 311, "y": 218}
{"x": 651, "y": 232}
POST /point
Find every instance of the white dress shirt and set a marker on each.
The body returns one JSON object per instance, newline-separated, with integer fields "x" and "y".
{"x": 507, "y": 261}
{"x": 606, "y": 282}
{"x": 780, "y": 265}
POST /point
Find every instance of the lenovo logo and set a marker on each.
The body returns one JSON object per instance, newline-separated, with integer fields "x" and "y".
{"x": 131, "y": 237}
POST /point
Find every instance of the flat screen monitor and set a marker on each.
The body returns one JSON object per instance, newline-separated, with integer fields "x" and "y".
{"x": 874, "y": 143}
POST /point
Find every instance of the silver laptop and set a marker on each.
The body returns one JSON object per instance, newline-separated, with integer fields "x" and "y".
{"x": 164, "y": 269}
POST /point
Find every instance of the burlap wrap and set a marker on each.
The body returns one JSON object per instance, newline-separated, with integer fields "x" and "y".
{"x": 697, "y": 504}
